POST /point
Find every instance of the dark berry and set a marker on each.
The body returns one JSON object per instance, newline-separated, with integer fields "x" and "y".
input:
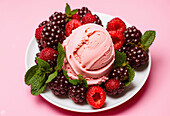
{"x": 119, "y": 73}
{"x": 98, "y": 21}
{"x": 114, "y": 87}
{"x": 133, "y": 35}
{"x": 77, "y": 93}
{"x": 58, "y": 19}
{"x": 59, "y": 85}
{"x": 51, "y": 35}
{"x": 83, "y": 11}
{"x": 43, "y": 23}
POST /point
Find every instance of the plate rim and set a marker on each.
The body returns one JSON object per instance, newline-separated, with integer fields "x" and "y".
{"x": 96, "y": 110}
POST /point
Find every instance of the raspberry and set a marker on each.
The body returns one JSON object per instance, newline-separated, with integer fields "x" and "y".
{"x": 116, "y": 24}
{"x": 43, "y": 23}
{"x": 96, "y": 96}
{"x": 51, "y": 35}
{"x": 119, "y": 73}
{"x": 98, "y": 21}
{"x": 58, "y": 19}
{"x": 76, "y": 16}
{"x": 83, "y": 11}
{"x": 133, "y": 35}
{"x": 117, "y": 38}
{"x": 88, "y": 18}
{"x": 114, "y": 87}
{"x": 59, "y": 85}
{"x": 77, "y": 93}
{"x": 49, "y": 55}
{"x": 38, "y": 32}
{"x": 71, "y": 25}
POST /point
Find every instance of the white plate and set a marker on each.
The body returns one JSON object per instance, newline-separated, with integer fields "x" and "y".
{"x": 66, "y": 103}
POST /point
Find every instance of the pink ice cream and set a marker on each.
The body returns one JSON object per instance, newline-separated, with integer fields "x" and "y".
{"x": 89, "y": 52}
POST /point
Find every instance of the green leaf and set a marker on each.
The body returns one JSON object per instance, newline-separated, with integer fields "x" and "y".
{"x": 67, "y": 9}
{"x": 51, "y": 77}
{"x": 37, "y": 82}
{"x": 74, "y": 11}
{"x": 82, "y": 80}
{"x": 74, "y": 81}
{"x": 61, "y": 55}
{"x": 131, "y": 74}
{"x": 65, "y": 74}
{"x": 30, "y": 73}
{"x": 38, "y": 91}
{"x": 43, "y": 64}
{"x": 147, "y": 39}
{"x": 120, "y": 58}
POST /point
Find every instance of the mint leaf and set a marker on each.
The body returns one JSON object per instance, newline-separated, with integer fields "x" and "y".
{"x": 43, "y": 64}
{"x": 120, "y": 58}
{"x": 51, "y": 77}
{"x": 38, "y": 91}
{"x": 82, "y": 80}
{"x": 147, "y": 39}
{"x": 29, "y": 74}
{"x": 67, "y": 9}
{"x": 61, "y": 55}
{"x": 131, "y": 75}
{"x": 74, "y": 81}
{"x": 65, "y": 74}
{"x": 74, "y": 12}
{"x": 37, "y": 82}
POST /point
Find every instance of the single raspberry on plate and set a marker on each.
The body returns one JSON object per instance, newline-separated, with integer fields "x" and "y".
{"x": 71, "y": 25}
{"x": 58, "y": 19}
{"x": 96, "y": 96}
{"x": 133, "y": 35}
{"x": 88, "y": 18}
{"x": 119, "y": 73}
{"x": 76, "y": 16}
{"x": 83, "y": 11}
{"x": 49, "y": 55}
{"x": 114, "y": 86}
{"x": 116, "y": 24}
{"x": 117, "y": 38}
{"x": 77, "y": 93}
{"x": 38, "y": 32}
{"x": 59, "y": 85}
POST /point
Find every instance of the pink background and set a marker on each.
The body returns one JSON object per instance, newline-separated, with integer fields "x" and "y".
{"x": 18, "y": 20}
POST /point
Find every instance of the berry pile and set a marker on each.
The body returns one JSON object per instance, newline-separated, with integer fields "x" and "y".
{"x": 119, "y": 73}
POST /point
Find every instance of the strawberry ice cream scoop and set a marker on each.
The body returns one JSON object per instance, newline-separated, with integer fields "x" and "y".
{"x": 89, "y": 52}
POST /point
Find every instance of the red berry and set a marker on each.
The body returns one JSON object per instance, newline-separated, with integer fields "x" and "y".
{"x": 88, "y": 18}
{"x": 71, "y": 25}
{"x": 38, "y": 32}
{"x": 117, "y": 38}
{"x": 95, "y": 96}
{"x": 116, "y": 24}
{"x": 48, "y": 54}
{"x": 76, "y": 16}
{"x": 112, "y": 84}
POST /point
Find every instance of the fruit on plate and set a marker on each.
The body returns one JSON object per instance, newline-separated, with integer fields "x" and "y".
{"x": 96, "y": 96}
{"x": 81, "y": 59}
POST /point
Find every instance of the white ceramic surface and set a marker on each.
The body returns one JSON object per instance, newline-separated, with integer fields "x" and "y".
{"x": 66, "y": 103}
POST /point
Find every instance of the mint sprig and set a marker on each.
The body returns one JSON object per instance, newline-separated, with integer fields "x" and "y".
{"x": 69, "y": 12}
{"x": 61, "y": 55}
{"x": 131, "y": 74}
{"x": 120, "y": 59}
{"x": 147, "y": 39}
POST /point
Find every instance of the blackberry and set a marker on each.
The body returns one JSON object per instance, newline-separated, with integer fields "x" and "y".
{"x": 43, "y": 23}
{"x": 77, "y": 93}
{"x": 83, "y": 11}
{"x": 133, "y": 35}
{"x": 40, "y": 45}
{"x": 51, "y": 35}
{"x": 58, "y": 19}
{"x": 59, "y": 85}
{"x": 98, "y": 21}
{"x": 136, "y": 56}
{"x": 119, "y": 73}
{"x": 117, "y": 91}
